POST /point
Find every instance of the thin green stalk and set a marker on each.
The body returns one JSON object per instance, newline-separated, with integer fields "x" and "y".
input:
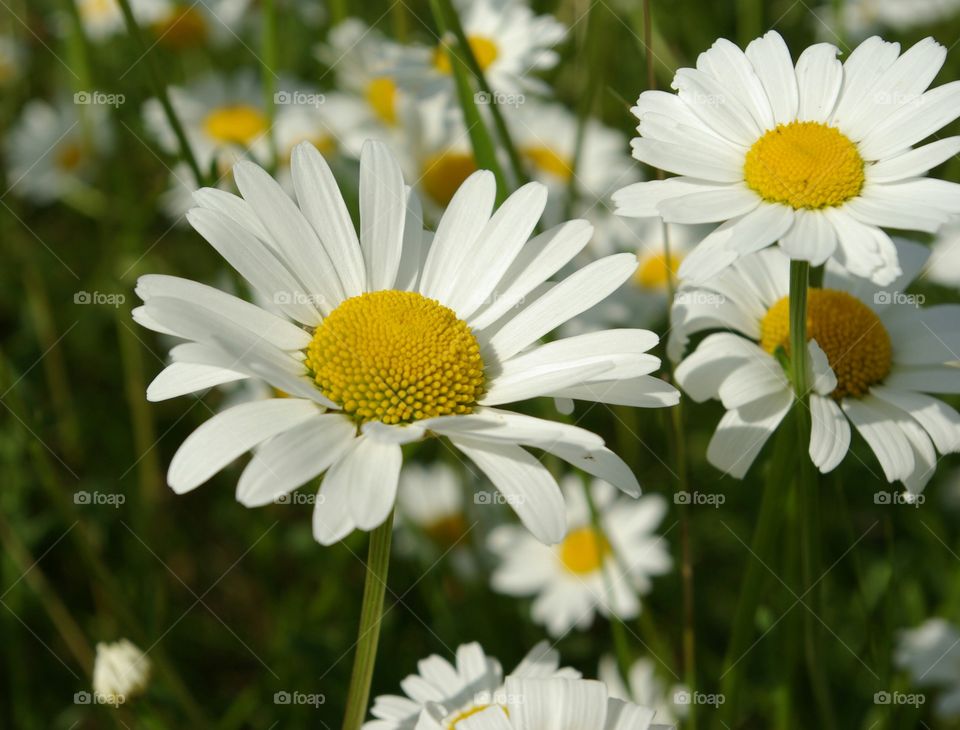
{"x": 371, "y": 614}
{"x": 160, "y": 89}
{"x": 270, "y": 63}
{"x": 453, "y": 24}
{"x": 799, "y": 283}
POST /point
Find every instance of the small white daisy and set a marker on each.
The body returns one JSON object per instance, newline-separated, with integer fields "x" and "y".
{"x": 391, "y": 337}
{"x": 223, "y": 117}
{"x": 944, "y": 265}
{"x": 457, "y": 691}
{"x": 12, "y": 59}
{"x": 585, "y": 573}
{"x": 431, "y": 497}
{"x": 643, "y": 687}
{"x": 817, "y": 157}
{"x": 930, "y": 654}
{"x": 558, "y": 704}
{"x": 53, "y": 148}
{"x": 875, "y": 355}
{"x": 120, "y": 672}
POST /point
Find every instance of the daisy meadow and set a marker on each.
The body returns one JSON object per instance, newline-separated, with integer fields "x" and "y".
{"x": 391, "y": 337}
{"x": 459, "y": 690}
{"x": 587, "y": 572}
{"x": 875, "y": 355}
{"x": 930, "y": 654}
{"x": 644, "y": 687}
{"x": 817, "y": 157}
{"x": 562, "y": 704}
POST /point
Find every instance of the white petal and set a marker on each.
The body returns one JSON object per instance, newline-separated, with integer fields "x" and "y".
{"x": 884, "y": 437}
{"x": 643, "y": 199}
{"x": 703, "y": 372}
{"x": 922, "y": 204}
{"x": 742, "y": 433}
{"x": 819, "y": 76}
{"x": 556, "y": 703}
{"x": 942, "y": 379}
{"x": 864, "y": 250}
{"x": 372, "y": 470}
{"x": 868, "y": 62}
{"x": 499, "y": 426}
{"x": 416, "y": 242}
{"x": 332, "y": 520}
{"x": 712, "y": 206}
{"x": 756, "y": 378}
{"x": 713, "y": 103}
{"x": 383, "y": 207}
{"x": 235, "y": 207}
{"x": 914, "y": 162}
{"x": 829, "y": 433}
{"x": 180, "y": 378}
{"x": 811, "y": 237}
{"x": 727, "y": 63}
{"x": 771, "y": 61}
{"x": 645, "y": 391}
{"x": 939, "y": 420}
{"x": 231, "y": 433}
{"x": 913, "y": 122}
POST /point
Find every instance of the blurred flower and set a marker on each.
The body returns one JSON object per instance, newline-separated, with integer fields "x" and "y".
{"x": 944, "y": 265}
{"x": 223, "y": 117}
{"x": 359, "y": 304}
{"x": 587, "y": 572}
{"x": 195, "y": 23}
{"x": 645, "y": 688}
{"x": 431, "y": 497}
{"x": 52, "y": 149}
{"x": 860, "y": 18}
{"x": 12, "y": 59}
{"x": 554, "y": 703}
{"x": 875, "y": 353}
{"x": 816, "y": 158}
{"x": 120, "y": 671}
{"x": 458, "y": 691}
{"x": 104, "y": 18}
{"x": 930, "y": 654}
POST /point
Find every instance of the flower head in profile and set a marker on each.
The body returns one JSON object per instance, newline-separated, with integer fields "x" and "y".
{"x": 120, "y": 671}
{"x": 591, "y": 570}
{"x": 444, "y": 693}
{"x": 390, "y": 337}
{"x": 818, "y": 157}
{"x": 930, "y": 655}
{"x": 875, "y": 356}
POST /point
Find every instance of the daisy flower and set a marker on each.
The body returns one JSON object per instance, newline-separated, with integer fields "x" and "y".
{"x": 587, "y": 572}
{"x": 643, "y": 687}
{"x": 930, "y": 654}
{"x": 223, "y": 118}
{"x": 102, "y": 19}
{"x": 456, "y": 691}
{"x": 818, "y": 157}
{"x": 431, "y": 497}
{"x": 875, "y": 355}
{"x": 53, "y": 148}
{"x": 560, "y": 704}
{"x": 195, "y": 23}
{"x": 120, "y": 671}
{"x": 12, "y": 59}
{"x": 391, "y": 337}
{"x": 944, "y": 265}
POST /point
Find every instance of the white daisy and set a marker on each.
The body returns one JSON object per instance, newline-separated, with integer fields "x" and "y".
{"x": 944, "y": 265}
{"x": 930, "y": 654}
{"x": 558, "y": 704}
{"x": 120, "y": 671}
{"x": 223, "y": 118}
{"x": 643, "y": 687}
{"x": 12, "y": 59}
{"x": 431, "y": 497}
{"x": 586, "y": 573}
{"x": 457, "y": 691}
{"x": 53, "y": 149}
{"x": 393, "y": 336}
{"x": 875, "y": 354}
{"x": 817, "y": 157}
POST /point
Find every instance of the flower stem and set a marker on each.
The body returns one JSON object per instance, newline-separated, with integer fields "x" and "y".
{"x": 371, "y": 613}
{"x": 799, "y": 279}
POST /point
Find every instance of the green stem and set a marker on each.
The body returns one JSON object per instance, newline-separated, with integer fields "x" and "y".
{"x": 160, "y": 90}
{"x": 270, "y": 62}
{"x": 799, "y": 282}
{"x": 371, "y": 613}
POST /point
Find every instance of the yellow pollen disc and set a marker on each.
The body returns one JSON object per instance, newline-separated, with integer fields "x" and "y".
{"x": 92, "y": 9}
{"x": 583, "y": 550}
{"x": 445, "y": 172}
{"x": 447, "y": 530}
{"x": 235, "y": 124}
{"x": 484, "y": 50}
{"x": 652, "y": 272}
{"x": 381, "y": 95}
{"x": 546, "y": 160}
{"x": 184, "y": 27}
{"x": 850, "y": 334}
{"x": 69, "y": 157}
{"x": 396, "y": 357}
{"x": 805, "y": 165}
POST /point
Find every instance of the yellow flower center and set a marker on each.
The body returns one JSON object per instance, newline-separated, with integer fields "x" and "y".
{"x": 447, "y": 530}
{"x": 235, "y": 124}
{"x": 850, "y": 334}
{"x": 381, "y": 95}
{"x": 583, "y": 550}
{"x": 93, "y": 9}
{"x": 652, "y": 272}
{"x": 546, "y": 160}
{"x": 184, "y": 27}
{"x": 396, "y": 357}
{"x": 69, "y": 156}
{"x": 484, "y": 50}
{"x": 805, "y": 165}
{"x": 445, "y": 172}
